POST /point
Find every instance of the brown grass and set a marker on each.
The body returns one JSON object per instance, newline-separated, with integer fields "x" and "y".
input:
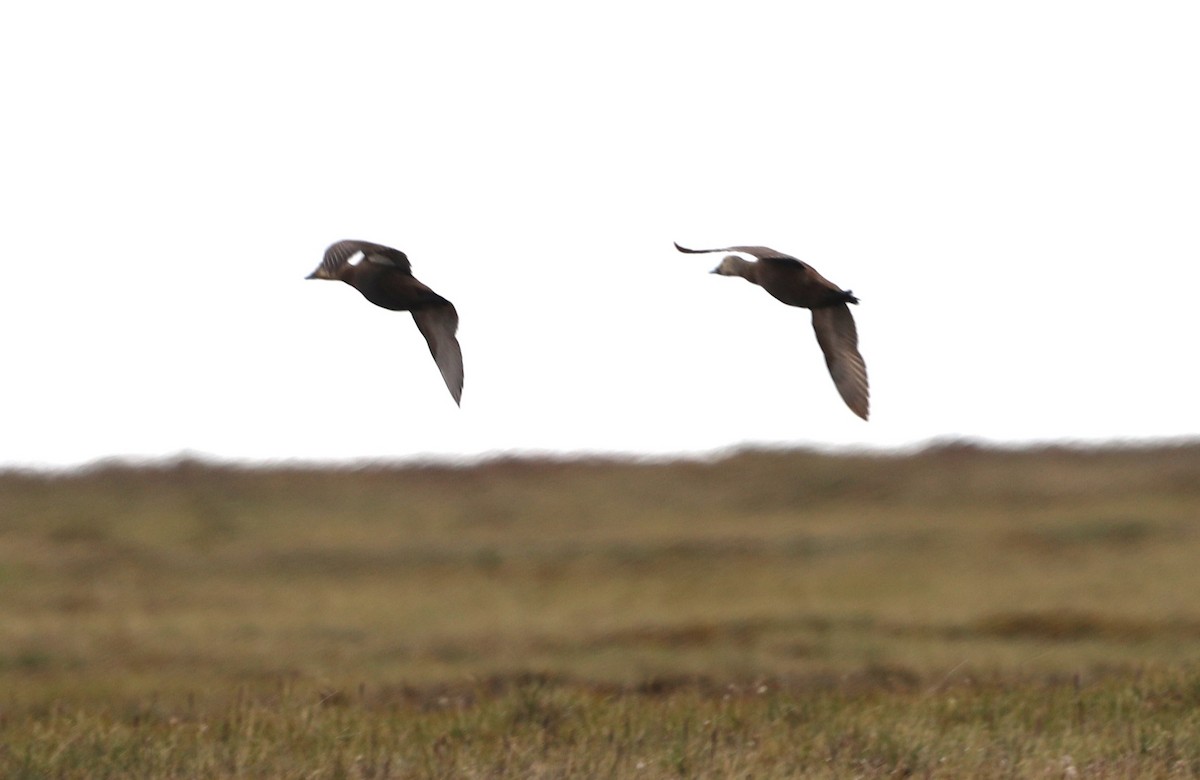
{"x": 618, "y": 595}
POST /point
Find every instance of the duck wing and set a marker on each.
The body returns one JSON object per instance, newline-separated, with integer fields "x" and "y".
{"x": 759, "y": 252}
{"x": 838, "y": 337}
{"x": 438, "y": 324}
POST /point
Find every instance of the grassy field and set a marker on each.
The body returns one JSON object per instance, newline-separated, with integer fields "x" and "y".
{"x": 956, "y": 612}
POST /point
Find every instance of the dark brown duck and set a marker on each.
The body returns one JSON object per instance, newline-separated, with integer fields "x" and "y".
{"x": 798, "y": 284}
{"x": 384, "y": 277}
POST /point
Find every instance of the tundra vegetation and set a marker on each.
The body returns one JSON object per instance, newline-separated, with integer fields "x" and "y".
{"x": 952, "y": 612}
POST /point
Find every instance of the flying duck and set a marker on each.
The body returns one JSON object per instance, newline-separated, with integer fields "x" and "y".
{"x": 384, "y": 277}
{"x": 798, "y": 284}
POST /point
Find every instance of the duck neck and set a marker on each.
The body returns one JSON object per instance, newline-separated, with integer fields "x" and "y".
{"x": 742, "y": 267}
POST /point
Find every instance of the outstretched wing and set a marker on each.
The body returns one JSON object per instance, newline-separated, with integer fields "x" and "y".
{"x": 838, "y": 338}
{"x": 438, "y": 324}
{"x": 759, "y": 252}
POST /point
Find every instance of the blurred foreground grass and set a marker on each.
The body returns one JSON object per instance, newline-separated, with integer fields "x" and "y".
{"x": 956, "y": 611}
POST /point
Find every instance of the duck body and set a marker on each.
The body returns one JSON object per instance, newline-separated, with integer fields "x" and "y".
{"x": 797, "y": 284}
{"x": 387, "y": 288}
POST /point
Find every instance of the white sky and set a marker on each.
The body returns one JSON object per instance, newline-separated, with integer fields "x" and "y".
{"x": 1013, "y": 189}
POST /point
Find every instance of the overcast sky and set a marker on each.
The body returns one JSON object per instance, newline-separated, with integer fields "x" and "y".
{"x": 1012, "y": 189}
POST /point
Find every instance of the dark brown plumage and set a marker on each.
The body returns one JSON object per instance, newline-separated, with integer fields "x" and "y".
{"x": 798, "y": 284}
{"x": 384, "y": 277}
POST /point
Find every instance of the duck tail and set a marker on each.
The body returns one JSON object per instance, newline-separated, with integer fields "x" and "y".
{"x": 849, "y": 296}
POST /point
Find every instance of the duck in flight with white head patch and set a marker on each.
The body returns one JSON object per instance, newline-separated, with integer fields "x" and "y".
{"x": 384, "y": 277}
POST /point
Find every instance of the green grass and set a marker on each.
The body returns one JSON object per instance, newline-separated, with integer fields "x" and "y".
{"x": 862, "y": 725}
{"x": 957, "y": 612}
